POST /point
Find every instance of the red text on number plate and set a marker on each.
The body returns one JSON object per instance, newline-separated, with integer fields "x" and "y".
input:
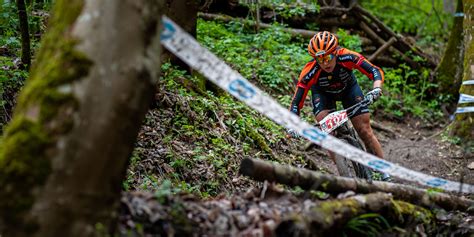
{"x": 333, "y": 120}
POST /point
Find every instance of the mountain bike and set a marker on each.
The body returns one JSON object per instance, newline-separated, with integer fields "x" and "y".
{"x": 339, "y": 122}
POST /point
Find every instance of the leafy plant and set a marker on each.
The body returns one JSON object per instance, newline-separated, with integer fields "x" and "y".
{"x": 370, "y": 224}
{"x": 164, "y": 190}
{"x": 269, "y": 58}
{"x": 405, "y": 93}
{"x": 349, "y": 41}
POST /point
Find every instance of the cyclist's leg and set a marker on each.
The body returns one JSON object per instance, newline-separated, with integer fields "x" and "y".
{"x": 361, "y": 119}
{"x": 361, "y": 122}
{"x": 322, "y": 103}
{"x": 322, "y": 106}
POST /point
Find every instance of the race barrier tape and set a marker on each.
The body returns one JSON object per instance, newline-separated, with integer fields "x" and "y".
{"x": 469, "y": 82}
{"x": 463, "y": 98}
{"x": 461, "y": 110}
{"x": 191, "y": 52}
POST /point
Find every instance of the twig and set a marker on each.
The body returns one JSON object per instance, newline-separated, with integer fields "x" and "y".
{"x": 264, "y": 190}
{"x": 377, "y": 126}
{"x": 220, "y": 121}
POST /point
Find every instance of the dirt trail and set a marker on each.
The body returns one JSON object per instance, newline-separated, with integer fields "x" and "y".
{"x": 423, "y": 149}
{"x": 415, "y": 147}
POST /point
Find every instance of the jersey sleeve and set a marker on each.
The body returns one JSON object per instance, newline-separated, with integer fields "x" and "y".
{"x": 308, "y": 77}
{"x": 351, "y": 60}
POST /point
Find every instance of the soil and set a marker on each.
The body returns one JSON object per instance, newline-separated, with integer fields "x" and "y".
{"x": 423, "y": 149}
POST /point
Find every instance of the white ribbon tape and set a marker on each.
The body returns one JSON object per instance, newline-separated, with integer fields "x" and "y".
{"x": 190, "y": 51}
{"x": 468, "y": 82}
{"x": 461, "y": 110}
{"x": 463, "y": 98}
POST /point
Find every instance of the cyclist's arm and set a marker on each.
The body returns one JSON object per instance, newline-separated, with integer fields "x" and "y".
{"x": 298, "y": 100}
{"x": 305, "y": 81}
{"x": 359, "y": 62}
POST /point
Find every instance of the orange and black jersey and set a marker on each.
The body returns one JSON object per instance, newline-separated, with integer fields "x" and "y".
{"x": 336, "y": 81}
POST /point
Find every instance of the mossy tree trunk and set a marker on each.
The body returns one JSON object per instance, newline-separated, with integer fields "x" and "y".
{"x": 449, "y": 71}
{"x": 463, "y": 125}
{"x": 64, "y": 154}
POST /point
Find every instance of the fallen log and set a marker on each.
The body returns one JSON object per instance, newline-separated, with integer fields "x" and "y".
{"x": 402, "y": 44}
{"x": 382, "y": 48}
{"x": 340, "y": 16}
{"x": 310, "y": 180}
{"x": 385, "y": 61}
{"x": 224, "y": 18}
{"x": 329, "y": 217}
{"x": 374, "y": 37}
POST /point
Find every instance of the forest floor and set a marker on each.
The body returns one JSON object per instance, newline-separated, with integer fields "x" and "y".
{"x": 249, "y": 208}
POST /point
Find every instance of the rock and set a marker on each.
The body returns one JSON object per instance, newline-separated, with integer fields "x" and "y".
{"x": 471, "y": 166}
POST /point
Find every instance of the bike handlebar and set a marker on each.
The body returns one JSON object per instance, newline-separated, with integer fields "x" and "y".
{"x": 364, "y": 102}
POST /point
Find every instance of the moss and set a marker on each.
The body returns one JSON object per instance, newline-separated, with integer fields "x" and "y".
{"x": 450, "y": 68}
{"x": 39, "y": 116}
{"x": 329, "y": 209}
{"x": 182, "y": 224}
{"x": 251, "y": 132}
{"x": 464, "y": 123}
{"x": 416, "y": 213}
{"x": 259, "y": 139}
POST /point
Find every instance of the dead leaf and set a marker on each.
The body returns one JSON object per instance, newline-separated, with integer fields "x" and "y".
{"x": 471, "y": 166}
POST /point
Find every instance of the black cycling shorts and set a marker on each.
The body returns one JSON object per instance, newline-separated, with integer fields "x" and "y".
{"x": 327, "y": 101}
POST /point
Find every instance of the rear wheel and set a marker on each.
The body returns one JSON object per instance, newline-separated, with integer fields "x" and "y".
{"x": 343, "y": 167}
{"x": 349, "y": 168}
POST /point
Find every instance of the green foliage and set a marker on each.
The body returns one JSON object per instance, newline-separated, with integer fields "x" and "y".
{"x": 11, "y": 80}
{"x": 370, "y": 224}
{"x": 416, "y": 17}
{"x": 286, "y": 11}
{"x": 269, "y": 58}
{"x": 349, "y": 41}
{"x": 11, "y": 77}
{"x": 446, "y": 137}
{"x": 165, "y": 190}
{"x": 9, "y": 23}
{"x": 405, "y": 93}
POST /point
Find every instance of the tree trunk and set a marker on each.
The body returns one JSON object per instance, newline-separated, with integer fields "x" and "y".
{"x": 65, "y": 152}
{"x": 306, "y": 179}
{"x": 463, "y": 125}
{"x": 25, "y": 35}
{"x": 184, "y": 13}
{"x": 449, "y": 71}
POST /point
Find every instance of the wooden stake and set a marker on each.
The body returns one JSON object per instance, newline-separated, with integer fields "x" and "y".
{"x": 382, "y": 48}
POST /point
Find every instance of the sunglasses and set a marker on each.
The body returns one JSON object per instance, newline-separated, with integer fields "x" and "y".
{"x": 324, "y": 59}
